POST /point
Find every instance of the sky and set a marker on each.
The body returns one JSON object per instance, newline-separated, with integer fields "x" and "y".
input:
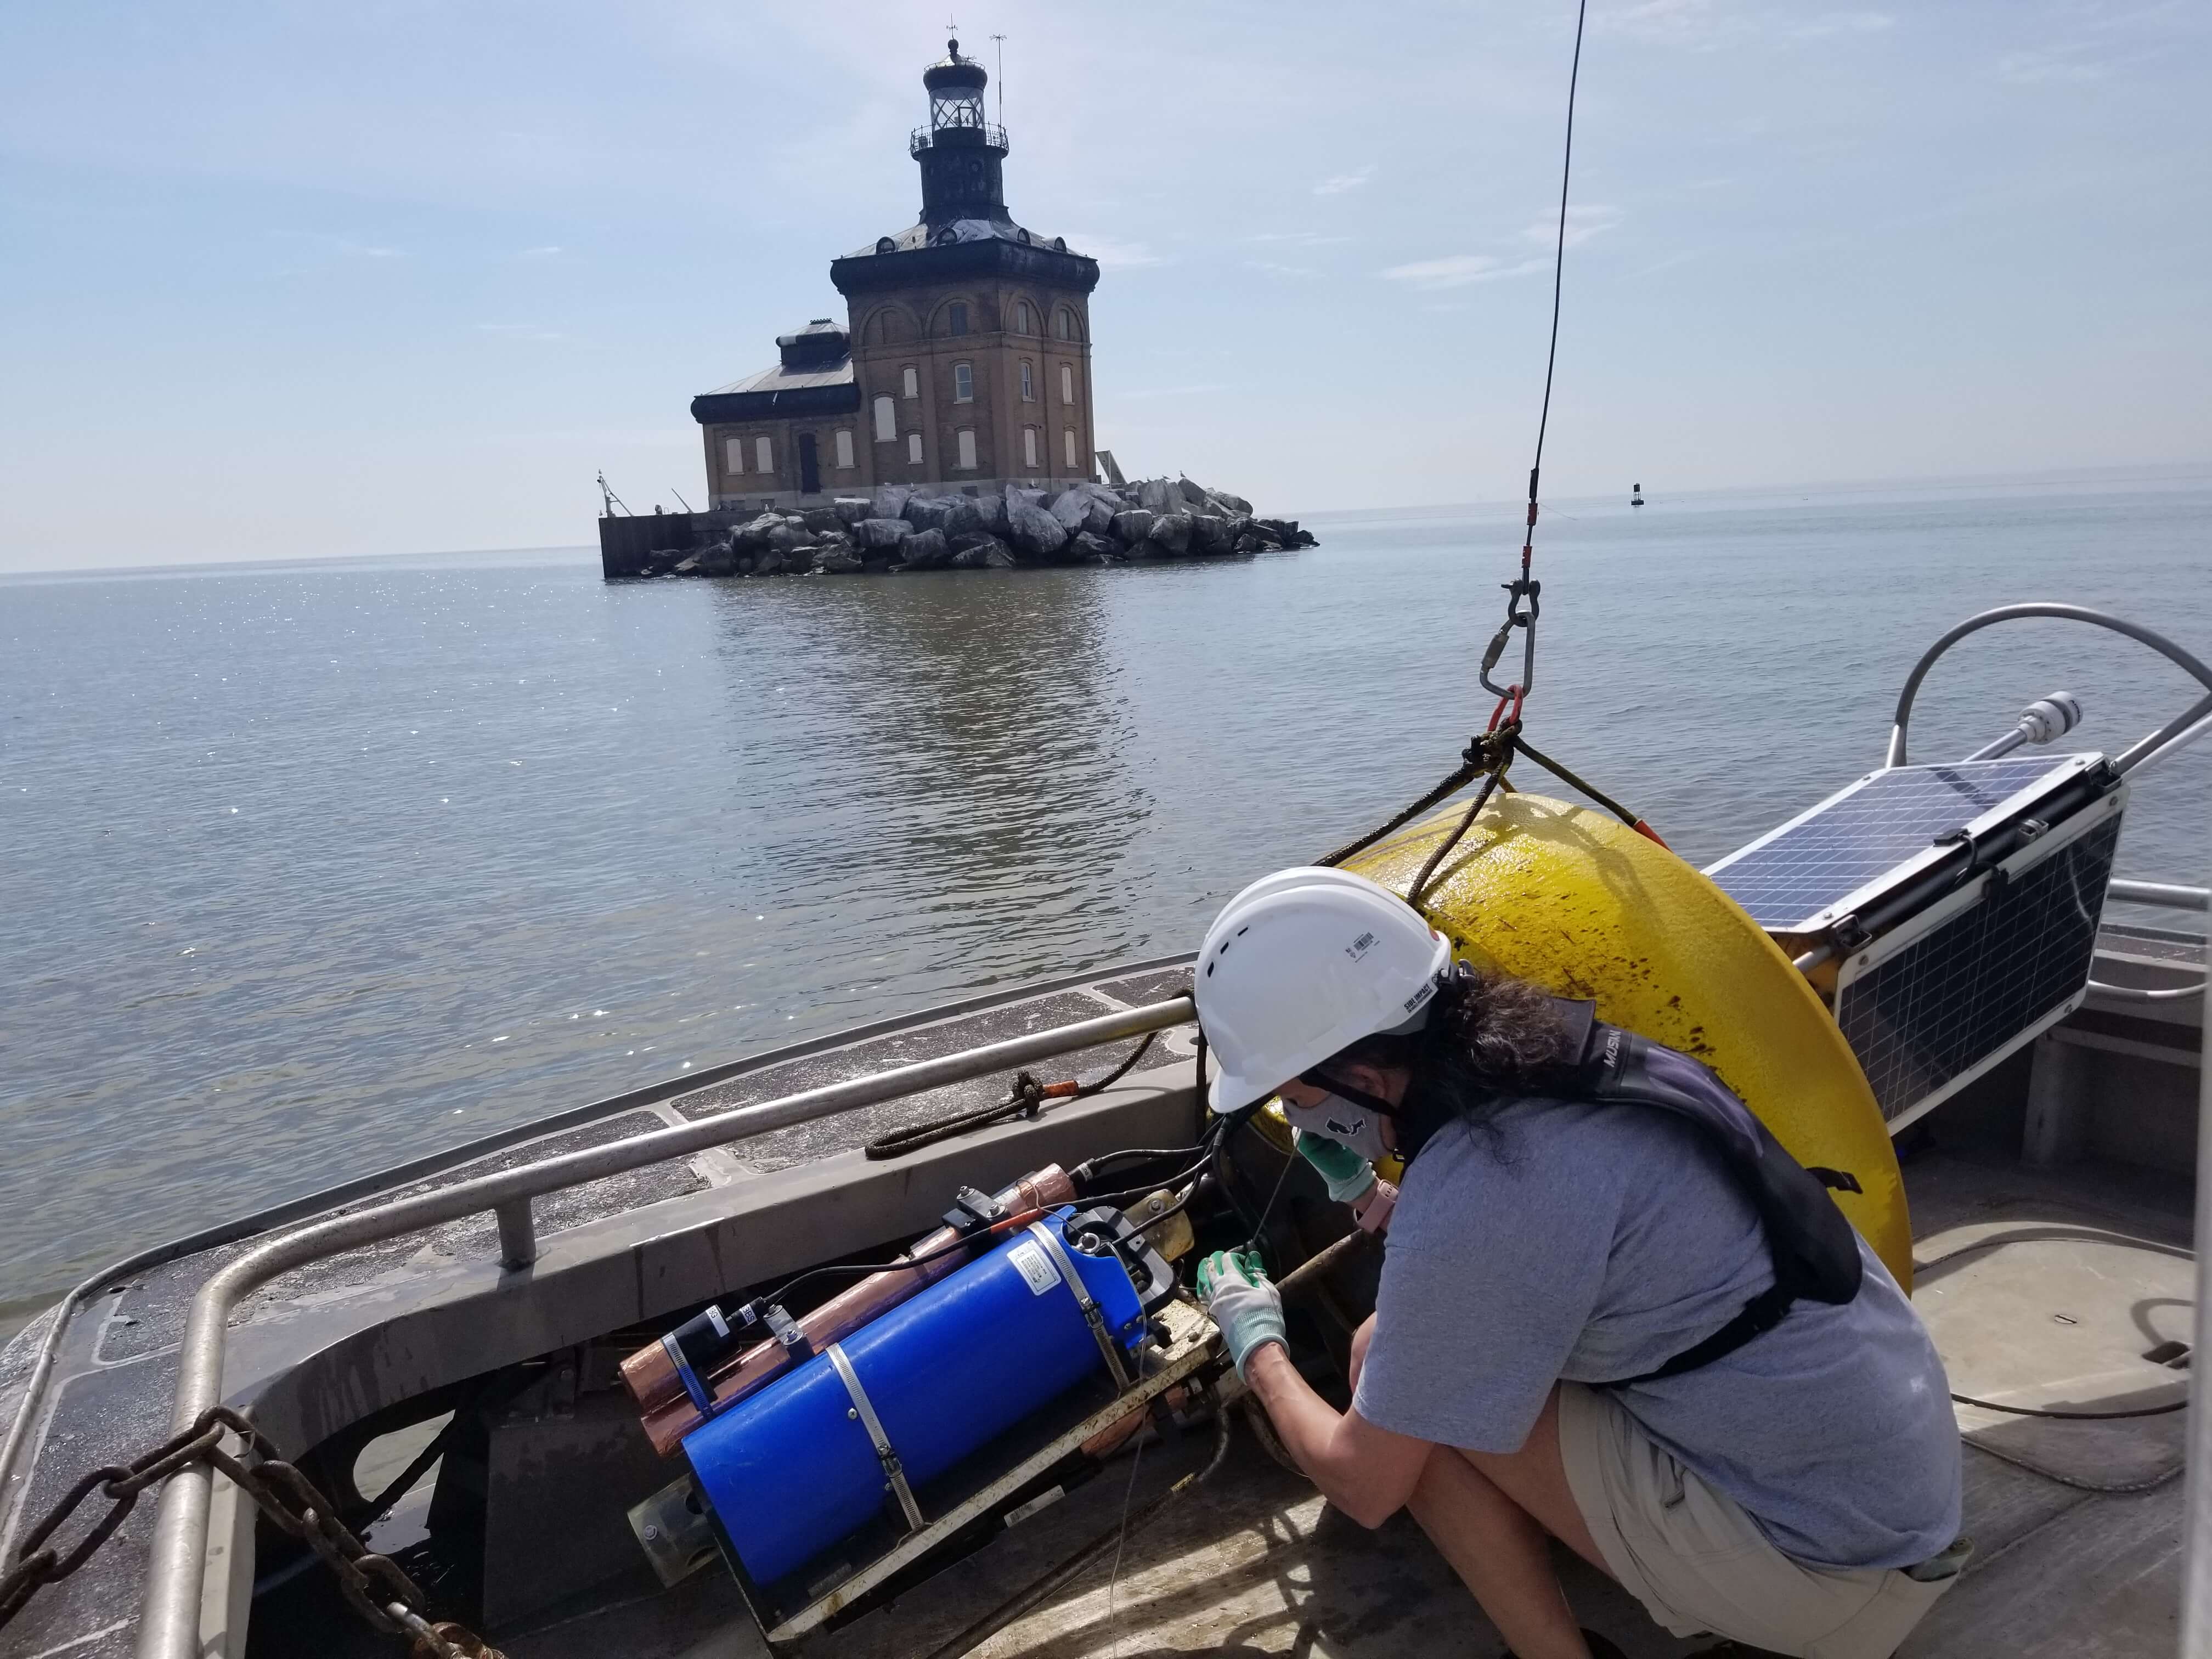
{"x": 300, "y": 279}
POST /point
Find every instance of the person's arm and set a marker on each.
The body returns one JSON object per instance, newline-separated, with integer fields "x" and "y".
{"x": 1367, "y": 1471}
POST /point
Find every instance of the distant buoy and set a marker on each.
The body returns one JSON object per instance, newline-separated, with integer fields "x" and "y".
{"x": 1636, "y": 494}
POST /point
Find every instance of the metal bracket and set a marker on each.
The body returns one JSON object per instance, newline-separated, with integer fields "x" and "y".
{"x": 894, "y": 1472}
{"x": 1092, "y": 1315}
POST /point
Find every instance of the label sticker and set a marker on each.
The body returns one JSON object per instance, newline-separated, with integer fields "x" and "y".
{"x": 1044, "y": 1499}
{"x": 1028, "y": 1259}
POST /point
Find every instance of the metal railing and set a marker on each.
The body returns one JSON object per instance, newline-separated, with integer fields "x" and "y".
{"x": 987, "y": 137}
{"x": 2159, "y": 893}
{"x": 169, "y": 1623}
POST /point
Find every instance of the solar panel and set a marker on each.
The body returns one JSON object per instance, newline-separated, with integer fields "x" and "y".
{"x": 1791, "y": 877}
{"x": 1928, "y": 1017}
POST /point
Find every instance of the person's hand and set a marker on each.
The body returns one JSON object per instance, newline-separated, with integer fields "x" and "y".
{"x": 1240, "y": 1300}
{"x": 1348, "y": 1175}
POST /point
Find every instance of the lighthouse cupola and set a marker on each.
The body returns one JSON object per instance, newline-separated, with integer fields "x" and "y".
{"x": 960, "y": 153}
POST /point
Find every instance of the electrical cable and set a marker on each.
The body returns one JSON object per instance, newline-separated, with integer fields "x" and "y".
{"x": 1114, "y": 1578}
{"x": 864, "y": 1268}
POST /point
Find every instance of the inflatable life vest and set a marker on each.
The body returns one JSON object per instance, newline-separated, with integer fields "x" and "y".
{"x": 1815, "y": 1253}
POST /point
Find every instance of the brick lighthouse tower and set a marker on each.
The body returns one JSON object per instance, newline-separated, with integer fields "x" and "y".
{"x": 966, "y": 357}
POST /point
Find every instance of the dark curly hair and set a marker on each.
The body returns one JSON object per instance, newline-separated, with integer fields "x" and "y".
{"x": 1489, "y": 1038}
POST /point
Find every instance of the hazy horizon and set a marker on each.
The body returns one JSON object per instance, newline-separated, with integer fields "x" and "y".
{"x": 1504, "y": 509}
{"x": 401, "y": 276}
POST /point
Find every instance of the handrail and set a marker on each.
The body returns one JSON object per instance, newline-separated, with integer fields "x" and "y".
{"x": 169, "y": 1619}
{"x": 2142, "y": 749}
{"x": 2159, "y": 892}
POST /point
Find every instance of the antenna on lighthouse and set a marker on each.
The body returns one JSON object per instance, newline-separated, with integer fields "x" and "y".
{"x": 1001, "y": 72}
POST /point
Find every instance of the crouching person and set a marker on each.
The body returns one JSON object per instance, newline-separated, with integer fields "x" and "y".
{"x": 1613, "y": 1311}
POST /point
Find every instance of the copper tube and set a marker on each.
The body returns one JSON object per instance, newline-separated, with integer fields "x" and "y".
{"x": 666, "y": 1409}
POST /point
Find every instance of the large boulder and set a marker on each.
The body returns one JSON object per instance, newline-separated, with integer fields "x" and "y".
{"x": 1194, "y": 494}
{"x": 800, "y": 559}
{"x": 889, "y": 501}
{"x": 1085, "y": 548}
{"x": 819, "y": 518}
{"x": 925, "y": 549}
{"x": 993, "y": 507}
{"x": 985, "y": 552}
{"x": 1237, "y": 504}
{"x": 1098, "y": 520}
{"x": 851, "y": 509}
{"x": 1130, "y": 526}
{"x": 1035, "y": 530}
{"x": 1017, "y": 496}
{"x": 881, "y": 535}
{"x": 962, "y": 515}
{"x": 753, "y": 535}
{"x": 1209, "y": 533}
{"x": 1157, "y": 495}
{"x": 927, "y": 512}
{"x": 718, "y": 559}
{"x": 1072, "y": 507}
{"x": 768, "y": 563}
{"x": 1171, "y": 533}
{"x": 836, "y": 561}
{"x": 787, "y": 536}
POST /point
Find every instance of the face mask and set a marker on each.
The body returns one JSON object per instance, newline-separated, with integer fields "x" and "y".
{"x": 1345, "y": 1121}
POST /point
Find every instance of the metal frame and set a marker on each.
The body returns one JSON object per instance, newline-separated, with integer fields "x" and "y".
{"x": 2197, "y": 1557}
{"x": 169, "y": 1623}
{"x": 1194, "y": 1344}
{"x": 1910, "y": 933}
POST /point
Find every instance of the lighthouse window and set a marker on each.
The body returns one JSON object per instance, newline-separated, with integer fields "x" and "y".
{"x": 913, "y": 449}
{"x": 1029, "y": 383}
{"x": 1066, "y": 321}
{"x": 844, "y": 449}
{"x": 887, "y": 418}
{"x": 964, "y": 383}
{"x": 1024, "y": 318}
{"x": 1070, "y": 435}
{"x": 763, "y": 458}
{"x": 1030, "y": 447}
{"x": 733, "y": 454}
{"x": 1067, "y": 383}
{"x": 967, "y": 437}
{"x": 912, "y": 381}
{"x": 955, "y": 317}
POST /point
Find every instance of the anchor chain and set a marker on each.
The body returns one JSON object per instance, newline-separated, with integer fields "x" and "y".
{"x": 377, "y": 1588}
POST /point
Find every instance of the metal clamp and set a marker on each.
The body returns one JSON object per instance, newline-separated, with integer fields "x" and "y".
{"x": 1056, "y": 1253}
{"x": 894, "y": 1472}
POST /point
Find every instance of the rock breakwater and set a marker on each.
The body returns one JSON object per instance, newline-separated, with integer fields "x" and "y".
{"x": 897, "y": 529}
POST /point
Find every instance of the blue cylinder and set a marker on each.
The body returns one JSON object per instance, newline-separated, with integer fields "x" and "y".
{"x": 789, "y": 1471}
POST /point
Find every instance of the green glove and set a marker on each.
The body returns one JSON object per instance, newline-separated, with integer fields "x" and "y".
{"x": 1240, "y": 1300}
{"x": 1349, "y": 1176}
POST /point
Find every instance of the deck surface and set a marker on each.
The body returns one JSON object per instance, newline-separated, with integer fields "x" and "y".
{"x": 2040, "y": 1290}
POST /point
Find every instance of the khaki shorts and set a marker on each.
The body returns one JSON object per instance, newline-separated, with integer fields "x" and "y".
{"x": 1698, "y": 1563}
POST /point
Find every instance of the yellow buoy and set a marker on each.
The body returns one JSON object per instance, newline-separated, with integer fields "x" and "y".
{"x": 1574, "y": 900}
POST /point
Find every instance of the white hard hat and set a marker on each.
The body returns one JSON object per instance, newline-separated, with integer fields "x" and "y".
{"x": 1303, "y": 963}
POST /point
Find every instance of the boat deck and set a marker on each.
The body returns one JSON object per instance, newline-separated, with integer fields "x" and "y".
{"x": 2040, "y": 1290}
{"x": 2043, "y": 1288}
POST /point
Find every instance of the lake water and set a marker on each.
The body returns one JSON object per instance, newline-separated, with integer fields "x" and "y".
{"x": 312, "y": 868}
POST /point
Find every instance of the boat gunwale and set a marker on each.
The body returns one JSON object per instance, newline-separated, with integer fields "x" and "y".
{"x": 329, "y": 1199}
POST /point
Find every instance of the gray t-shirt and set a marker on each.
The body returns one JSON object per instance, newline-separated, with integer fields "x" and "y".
{"x": 1589, "y": 1242}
